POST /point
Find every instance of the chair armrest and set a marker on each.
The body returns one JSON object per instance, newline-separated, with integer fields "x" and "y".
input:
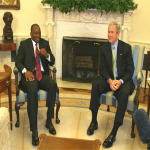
{"x": 53, "y": 72}
{"x": 16, "y": 72}
{"x": 139, "y": 77}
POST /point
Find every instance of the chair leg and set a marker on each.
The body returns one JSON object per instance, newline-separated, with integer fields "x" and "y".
{"x": 148, "y": 146}
{"x": 17, "y": 107}
{"x": 108, "y": 108}
{"x": 132, "y": 128}
{"x": 57, "y": 111}
{"x": 17, "y": 114}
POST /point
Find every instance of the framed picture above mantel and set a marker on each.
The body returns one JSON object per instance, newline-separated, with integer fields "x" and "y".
{"x": 10, "y": 4}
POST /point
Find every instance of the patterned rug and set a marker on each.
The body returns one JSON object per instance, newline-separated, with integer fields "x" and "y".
{"x": 74, "y": 97}
{"x": 69, "y": 97}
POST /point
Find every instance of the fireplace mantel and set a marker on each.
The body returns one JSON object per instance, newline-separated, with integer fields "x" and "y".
{"x": 84, "y": 24}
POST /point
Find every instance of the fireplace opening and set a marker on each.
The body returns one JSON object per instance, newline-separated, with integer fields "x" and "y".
{"x": 81, "y": 58}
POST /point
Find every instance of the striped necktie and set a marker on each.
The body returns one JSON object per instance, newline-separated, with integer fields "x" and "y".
{"x": 38, "y": 67}
{"x": 114, "y": 62}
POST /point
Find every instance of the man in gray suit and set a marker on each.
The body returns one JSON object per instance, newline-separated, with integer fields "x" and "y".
{"x": 33, "y": 60}
{"x": 116, "y": 71}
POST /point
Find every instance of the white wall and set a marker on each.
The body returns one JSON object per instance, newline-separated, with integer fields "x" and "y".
{"x": 30, "y": 12}
{"x": 141, "y": 22}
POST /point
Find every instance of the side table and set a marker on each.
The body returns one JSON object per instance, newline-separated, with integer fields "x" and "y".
{"x": 60, "y": 143}
{"x": 5, "y": 83}
{"x": 10, "y": 46}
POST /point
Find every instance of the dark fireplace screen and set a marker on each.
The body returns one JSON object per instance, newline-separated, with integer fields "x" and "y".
{"x": 81, "y": 58}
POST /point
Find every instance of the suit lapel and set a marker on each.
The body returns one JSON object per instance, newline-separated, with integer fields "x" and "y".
{"x": 40, "y": 46}
{"x": 119, "y": 53}
{"x": 31, "y": 49}
{"x": 119, "y": 57}
{"x": 110, "y": 56}
{"x": 41, "y": 57}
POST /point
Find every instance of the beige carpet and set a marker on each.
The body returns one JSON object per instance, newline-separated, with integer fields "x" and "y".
{"x": 75, "y": 118}
{"x": 74, "y": 124}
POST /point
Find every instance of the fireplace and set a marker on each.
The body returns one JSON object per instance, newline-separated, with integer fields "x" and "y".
{"x": 81, "y": 58}
{"x": 90, "y": 23}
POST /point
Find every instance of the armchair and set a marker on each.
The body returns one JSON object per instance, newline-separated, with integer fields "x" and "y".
{"x": 21, "y": 97}
{"x": 110, "y": 100}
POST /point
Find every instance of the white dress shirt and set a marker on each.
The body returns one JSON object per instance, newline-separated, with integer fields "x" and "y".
{"x": 34, "y": 47}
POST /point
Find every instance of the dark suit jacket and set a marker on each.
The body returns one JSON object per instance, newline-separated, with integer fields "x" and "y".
{"x": 125, "y": 65}
{"x": 26, "y": 57}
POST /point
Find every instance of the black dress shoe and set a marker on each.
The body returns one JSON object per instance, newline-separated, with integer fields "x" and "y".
{"x": 93, "y": 126}
{"x": 109, "y": 141}
{"x": 51, "y": 128}
{"x": 35, "y": 138}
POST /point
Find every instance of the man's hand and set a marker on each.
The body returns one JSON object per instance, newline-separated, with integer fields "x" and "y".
{"x": 117, "y": 84}
{"x": 114, "y": 84}
{"x": 29, "y": 76}
{"x": 44, "y": 52}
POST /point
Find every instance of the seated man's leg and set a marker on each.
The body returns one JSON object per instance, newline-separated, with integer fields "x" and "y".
{"x": 122, "y": 96}
{"x": 32, "y": 108}
{"x": 98, "y": 87}
{"x": 50, "y": 86}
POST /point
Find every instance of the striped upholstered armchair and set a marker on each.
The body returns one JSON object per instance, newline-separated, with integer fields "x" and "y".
{"x": 21, "y": 97}
{"x": 110, "y": 100}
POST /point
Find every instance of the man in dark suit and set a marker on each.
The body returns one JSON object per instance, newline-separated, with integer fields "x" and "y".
{"x": 33, "y": 60}
{"x": 116, "y": 71}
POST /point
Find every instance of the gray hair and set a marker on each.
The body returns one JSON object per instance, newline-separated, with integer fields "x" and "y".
{"x": 115, "y": 24}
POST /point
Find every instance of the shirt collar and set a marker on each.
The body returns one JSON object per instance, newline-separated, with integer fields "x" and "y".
{"x": 33, "y": 42}
{"x": 115, "y": 45}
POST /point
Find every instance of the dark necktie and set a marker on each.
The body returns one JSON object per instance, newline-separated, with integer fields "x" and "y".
{"x": 38, "y": 67}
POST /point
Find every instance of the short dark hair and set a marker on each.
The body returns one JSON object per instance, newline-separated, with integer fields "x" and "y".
{"x": 34, "y": 26}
